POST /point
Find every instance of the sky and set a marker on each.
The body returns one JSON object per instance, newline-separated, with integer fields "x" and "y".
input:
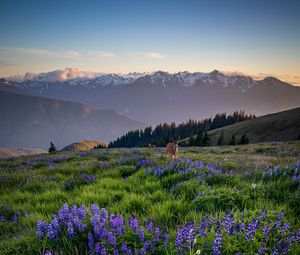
{"x": 259, "y": 38}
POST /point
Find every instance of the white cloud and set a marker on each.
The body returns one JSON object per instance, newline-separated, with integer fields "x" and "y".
{"x": 56, "y": 54}
{"x": 101, "y": 54}
{"x": 153, "y": 55}
{"x": 150, "y": 55}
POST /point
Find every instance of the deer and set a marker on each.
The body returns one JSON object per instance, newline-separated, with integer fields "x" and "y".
{"x": 172, "y": 149}
{"x": 151, "y": 145}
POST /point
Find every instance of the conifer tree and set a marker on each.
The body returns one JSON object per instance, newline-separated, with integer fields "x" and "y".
{"x": 221, "y": 139}
{"x": 191, "y": 141}
{"x": 206, "y": 139}
{"x": 233, "y": 140}
{"x": 199, "y": 139}
{"x": 52, "y": 148}
{"x": 244, "y": 139}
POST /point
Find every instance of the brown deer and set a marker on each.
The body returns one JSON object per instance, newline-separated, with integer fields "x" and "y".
{"x": 150, "y": 145}
{"x": 172, "y": 149}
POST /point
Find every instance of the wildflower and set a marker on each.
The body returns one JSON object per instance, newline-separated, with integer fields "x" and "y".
{"x": 217, "y": 244}
{"x": 41, "y": 228}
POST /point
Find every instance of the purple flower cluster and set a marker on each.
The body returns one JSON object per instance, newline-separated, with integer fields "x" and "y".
{"x": 68, "y": 219}
{"x": 186, "y": 166}
{"x": 144, "y": 163}
{"x": 289, "y": 171}
{"x": 86, "y": 178}
{"x": 112, "y": 234}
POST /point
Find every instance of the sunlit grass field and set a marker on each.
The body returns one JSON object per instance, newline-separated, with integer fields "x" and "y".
{"x": 214, "y": 200}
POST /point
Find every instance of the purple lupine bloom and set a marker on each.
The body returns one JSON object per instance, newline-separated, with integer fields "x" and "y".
{"x": 285, "y": 227}
{"x": 116, "y": 252}
{"x": 141, "y": 235}
{"x": 82, "y": 212}
{"x": 42, "y": 227}
{"x": 165, "y": 237}
{"x": 70, "y": 230}
{"x": 179, "y": 239}
{"x": 128, "y": 251}
{"x": 90, "y": 241}
{"x": 111, "y": 238}
{"x": 156, "y": 236}
{"x": 100, "y": 231}
{"x": 100, "y": 249}
{"x": 227, "y": 222}
{"x": 279, "y": 220}
{"x": 63, "y": 215}
{"x": 149, "y": 226}
{"x": 117, "y": 224}
{"x": 266, "y": 231}
{"x": 104, "y": 215}
{"x": 133, "y": 224}
{"x": 202, "y": 227}
{"x": 217, "y": 244}
{"x": 189, "y": 233}
{"x": 261, "y": 249}
{"x": 53, "y": 228}
{"x": 124, "y": 247}
{"x": 275, "y": 252}
{"x": 144, "y": 249}
{"x": 251, "y": 230}
{"x": 240, "y": 227}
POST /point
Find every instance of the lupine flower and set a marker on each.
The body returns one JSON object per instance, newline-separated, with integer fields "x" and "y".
{"x": 217, "y": 244}
{"x": 156, "y": 236}
{"x": 116, "y": 252}
{"x": 90, "y": 241}
{"x": 42, "y": 227}
{"x": 266, "y": 231}
{"x": 141, "y": 235}
{"x": 70, "y": 230}
{"x": 261, "y": 249}
{"x": 285, "y": 227}
{"x": 251, "y": 230}
{"x": 179, "y": 239}
{"x": 100, "y": 249}
{"x": 227, "y": 222}
{"x": 111, "y": 238}
{"x": 134, "y": 224}
{"x": 53, "y": 228}
{"x": 149, "y": 226}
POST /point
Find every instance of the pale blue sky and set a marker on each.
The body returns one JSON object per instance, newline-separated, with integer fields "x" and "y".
{"x": 254, "y": 37}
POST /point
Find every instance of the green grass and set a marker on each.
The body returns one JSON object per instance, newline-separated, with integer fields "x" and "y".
{"x": 40, "y": 188}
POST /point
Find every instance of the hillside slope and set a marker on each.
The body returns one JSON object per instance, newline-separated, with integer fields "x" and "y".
{"x": 28, "y": 121}
{"x": 281, "y": 126}
{"x": 85, "y": 145}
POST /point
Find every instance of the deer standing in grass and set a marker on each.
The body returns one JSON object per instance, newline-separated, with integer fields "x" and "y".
{"x": 172, "y": 149}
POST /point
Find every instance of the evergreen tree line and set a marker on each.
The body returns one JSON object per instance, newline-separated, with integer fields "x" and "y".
{"x": 203, "y": 140}
{"x": 161, "y": 134}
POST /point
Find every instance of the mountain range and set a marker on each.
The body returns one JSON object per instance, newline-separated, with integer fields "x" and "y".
{"x": 161, "y": 96}
{"x": 29, "y": 121}
{"x": 70, "y": 105}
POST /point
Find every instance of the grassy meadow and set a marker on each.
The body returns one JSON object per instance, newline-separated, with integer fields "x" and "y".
{"x": 214, "y": 200}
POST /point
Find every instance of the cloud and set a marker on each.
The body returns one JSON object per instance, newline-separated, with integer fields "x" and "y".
{"x": 150, "y": 55}
{"x": 292, "y": 79}
{"x": 101, "y": 54}
{"x": 93, "y": 55}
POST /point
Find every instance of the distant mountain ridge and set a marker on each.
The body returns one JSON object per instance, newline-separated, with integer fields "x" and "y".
{"x": 29, "y": 121}
{"x": 164, "y": 97}
{"x": 75, "y": 77}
